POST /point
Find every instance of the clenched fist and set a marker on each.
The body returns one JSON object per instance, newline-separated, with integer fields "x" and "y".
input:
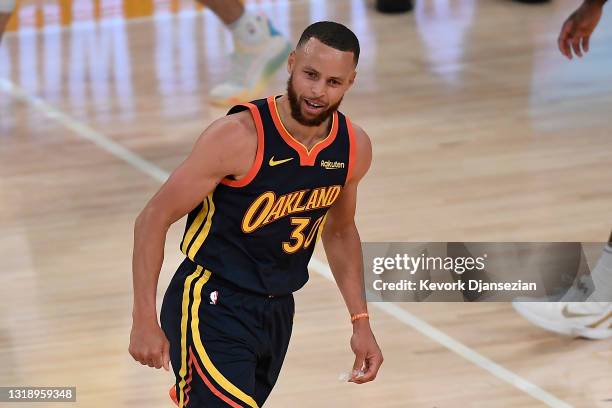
{"x": 149, "y": 345}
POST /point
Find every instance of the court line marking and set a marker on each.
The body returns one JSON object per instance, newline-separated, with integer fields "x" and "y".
{"x": 316, "y": 265}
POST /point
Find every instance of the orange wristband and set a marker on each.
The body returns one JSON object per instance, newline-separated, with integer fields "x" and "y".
{"x": 358, "y": 316}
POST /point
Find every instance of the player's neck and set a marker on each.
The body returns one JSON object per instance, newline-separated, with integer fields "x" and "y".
{"x": 306, "y": 135}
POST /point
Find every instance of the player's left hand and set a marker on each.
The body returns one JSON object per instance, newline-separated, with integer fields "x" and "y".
{"x": 577, "y": 29}
{"x": 368, "y": 357}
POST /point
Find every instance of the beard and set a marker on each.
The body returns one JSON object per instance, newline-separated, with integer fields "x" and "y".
{"x": 296, "y": 107}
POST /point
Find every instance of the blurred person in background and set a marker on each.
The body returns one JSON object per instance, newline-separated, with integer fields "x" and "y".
{"x": 6, "y": 9}
{"x": 259, "y": 50}
{"x": 593, "y": 317}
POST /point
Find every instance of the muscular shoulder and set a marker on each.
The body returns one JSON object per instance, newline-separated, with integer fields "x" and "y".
{"x": 363, "y": 150}
{"x": 232, "y": 140}
{"x": 235, "y": 132}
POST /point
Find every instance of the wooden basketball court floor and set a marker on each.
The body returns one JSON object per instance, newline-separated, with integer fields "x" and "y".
{"x": 481, "y": 132}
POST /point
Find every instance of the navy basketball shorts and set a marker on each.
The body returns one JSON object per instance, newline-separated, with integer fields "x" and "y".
{"x": 227, "y": 345}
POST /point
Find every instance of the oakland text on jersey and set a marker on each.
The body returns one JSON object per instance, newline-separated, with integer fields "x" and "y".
{"x": 268, "y": 208}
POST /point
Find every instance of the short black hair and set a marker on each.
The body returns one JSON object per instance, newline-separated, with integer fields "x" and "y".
{"x": 334, "y": 35}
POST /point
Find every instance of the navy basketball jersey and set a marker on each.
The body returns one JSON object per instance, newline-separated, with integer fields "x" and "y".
{"x": 259, "y": 232}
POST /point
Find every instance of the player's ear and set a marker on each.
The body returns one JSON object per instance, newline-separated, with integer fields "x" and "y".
{"x": 291, "y": 62}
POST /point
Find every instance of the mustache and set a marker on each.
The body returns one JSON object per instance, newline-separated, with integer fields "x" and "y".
{"x": 315, "y": 101}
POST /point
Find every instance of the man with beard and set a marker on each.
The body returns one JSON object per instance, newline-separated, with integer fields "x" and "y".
{"x": 259, "y": 187}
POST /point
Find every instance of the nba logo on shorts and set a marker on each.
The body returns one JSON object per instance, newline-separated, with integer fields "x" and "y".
{"x": 213, "y": 297}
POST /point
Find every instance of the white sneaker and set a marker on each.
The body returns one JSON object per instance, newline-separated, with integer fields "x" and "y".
{"x": 252, "y": 69}
{"x": 592, "y": 320}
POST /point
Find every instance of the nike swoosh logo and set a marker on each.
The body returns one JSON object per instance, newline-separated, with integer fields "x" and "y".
{"x": 567, "y": 313}
{"x": 273, "y": 162}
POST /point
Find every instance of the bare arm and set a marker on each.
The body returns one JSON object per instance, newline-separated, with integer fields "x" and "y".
{"x": 227, "y": 147}
{"x": 340, "y": 236}
{"x": 577, "y": 29}
{"x": 343, "y": 249}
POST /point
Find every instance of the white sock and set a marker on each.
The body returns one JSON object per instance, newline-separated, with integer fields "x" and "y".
{"x": 602, "y": 277}
{"x": 249, "y": 30}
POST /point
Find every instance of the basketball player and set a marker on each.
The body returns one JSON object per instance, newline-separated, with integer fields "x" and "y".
{"x": 593, "y": 318}
{"x": 260, "y": 186}
{"x": 259, "y": 50}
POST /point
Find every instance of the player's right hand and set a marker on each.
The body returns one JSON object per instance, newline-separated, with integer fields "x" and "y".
{"x": 577, "y": 29}
{"x": 149, "y": 345}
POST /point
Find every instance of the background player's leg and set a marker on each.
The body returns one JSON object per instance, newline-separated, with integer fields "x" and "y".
{"x": 591, "y": 319}
{"x": 259, "y": 51}
{"x": 6, "y": 9}
{"x": 602, "y": 275}
{"x": 4, "y": 18}
{"x": 227, "y": 10}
